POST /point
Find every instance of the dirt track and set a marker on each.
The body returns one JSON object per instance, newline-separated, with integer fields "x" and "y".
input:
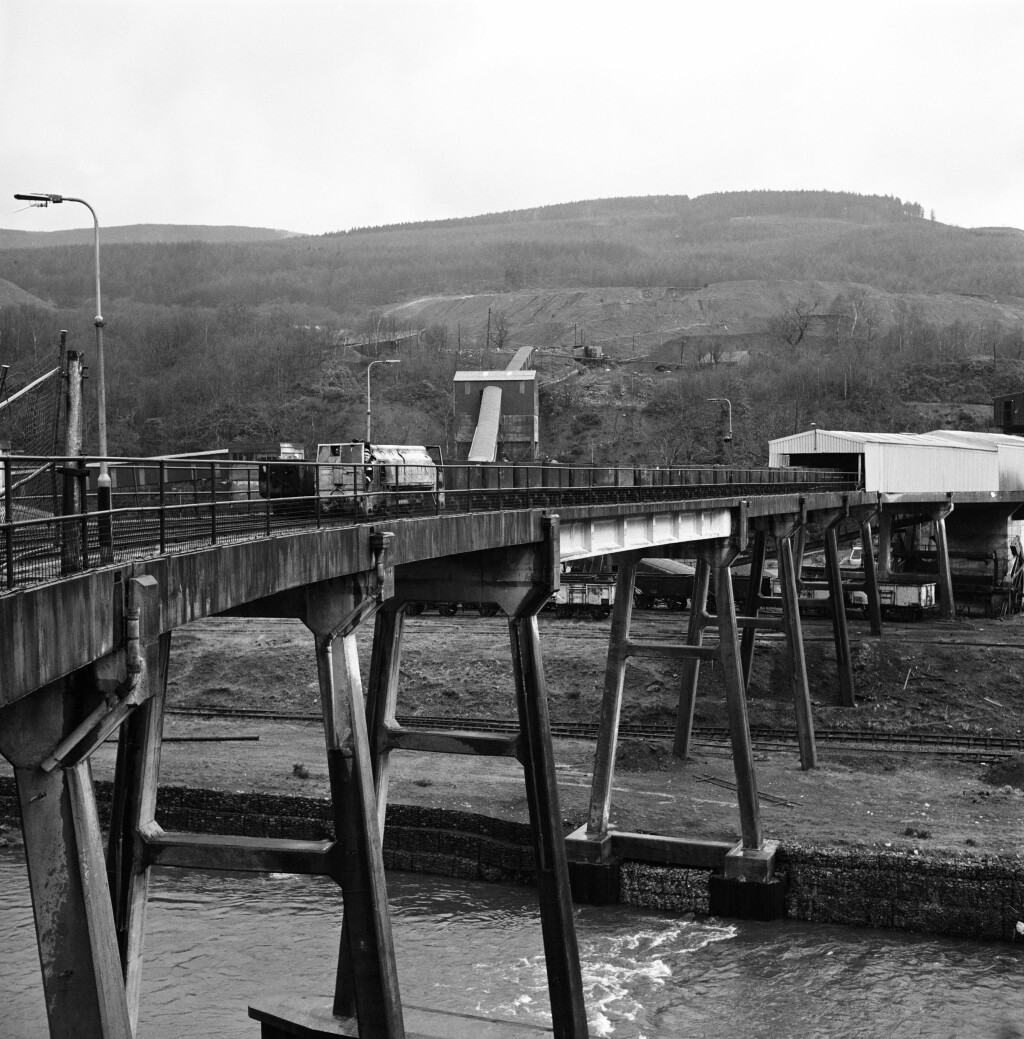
{"x": 963, "y": 676}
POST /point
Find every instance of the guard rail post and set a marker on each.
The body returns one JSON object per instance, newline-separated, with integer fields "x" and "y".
{"x": 83, "y": 495}
{"x": 163, "y": 507}
{"x": 9, "y": 519}
{"x": 213, "y": 503}
{"x": 316, "y": 495}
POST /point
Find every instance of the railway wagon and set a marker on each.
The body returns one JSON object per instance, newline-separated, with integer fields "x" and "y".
{"x": 584, "y": 595}
{"x": 669, "y": 583}
{"x": 663, "y": 582}
{"x": 907, "y": 596}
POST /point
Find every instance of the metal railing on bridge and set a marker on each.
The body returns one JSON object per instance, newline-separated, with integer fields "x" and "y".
{"x": 51, "y": 526}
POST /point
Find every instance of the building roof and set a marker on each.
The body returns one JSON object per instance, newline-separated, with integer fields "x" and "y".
{"x": 968, "y": 436}
{"x": 833, "y": 440}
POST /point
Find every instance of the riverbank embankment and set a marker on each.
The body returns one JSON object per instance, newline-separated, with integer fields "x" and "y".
{"x": 975, "y": 897}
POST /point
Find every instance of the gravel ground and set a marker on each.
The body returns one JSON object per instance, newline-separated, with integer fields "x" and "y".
{"x": 948, "y": 677}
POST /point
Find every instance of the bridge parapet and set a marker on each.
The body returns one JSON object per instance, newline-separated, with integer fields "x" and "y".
{"x": 51, "y": 527}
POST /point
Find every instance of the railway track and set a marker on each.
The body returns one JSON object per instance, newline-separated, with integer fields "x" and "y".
{"x": 655, "y": 624}
{"x": 763, "y": 737}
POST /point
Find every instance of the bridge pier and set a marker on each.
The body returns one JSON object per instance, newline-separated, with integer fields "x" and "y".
{"x": 870, "y": 565}
{"x": 750, "y": 864}
{"x": 81, "y": 970}
{"x": 789, "y": 576}
{"x": 133, "y": 810}
{"x": 828, "y": 520}
{"x": 752, "y": 606}
{"x": 690, "y": 667}
{"x": 366, "y": 986}
{"x": 89, "y": 926}
{"x": 519, "y": 580}
{"x": 784, "y": 530}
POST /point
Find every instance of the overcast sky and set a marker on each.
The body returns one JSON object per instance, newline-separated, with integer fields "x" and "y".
{"x": 313, "y": 116}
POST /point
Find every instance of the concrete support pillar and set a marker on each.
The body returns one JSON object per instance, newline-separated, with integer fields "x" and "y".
{"x": 561, "y": 952}
{"x": 947, "y": 606}
{"x": 840, "y": 631}
{"x": 133, "y": 807}
{"x": 83, "y": 984}
{"x": 884, "y": 564}
{"x": 870, "y": 567}
{"x": 382, "y": 696}
{"x": 367, "y": 981}
{"x": 689, "y": 667}
{"x": 736, "y": 699}
{"x": 519, "y": 580}
{"x": 611, "y": 703}
{"x": 753, "y": 603}
{"x": 90, "y": 924}
{"x": 799, "y": 542}
{"x": 367, "y": 976}
{"x": 798, "y": 663}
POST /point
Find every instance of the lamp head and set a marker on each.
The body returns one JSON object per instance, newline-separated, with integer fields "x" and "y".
{"x": 40, "y": 198}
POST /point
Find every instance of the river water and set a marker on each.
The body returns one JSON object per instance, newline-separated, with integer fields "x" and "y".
{"x": 217, "y": 942}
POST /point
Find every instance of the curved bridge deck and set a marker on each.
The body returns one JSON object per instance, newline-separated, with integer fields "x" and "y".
{"x": 90, "y": 598}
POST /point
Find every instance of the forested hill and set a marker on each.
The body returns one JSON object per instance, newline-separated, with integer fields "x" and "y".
{"x": 826, "y": 205}
{"x": 883, "y": 242}
{"x": 852, "y": 312}
{"x": 134, "y": 233}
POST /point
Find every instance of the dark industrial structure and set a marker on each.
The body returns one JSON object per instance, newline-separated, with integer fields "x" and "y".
{"x": 1008, "y": 413}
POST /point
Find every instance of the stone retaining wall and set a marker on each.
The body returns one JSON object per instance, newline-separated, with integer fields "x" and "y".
{"x": 969, "y": 897}
{"x": 978, "y": 898}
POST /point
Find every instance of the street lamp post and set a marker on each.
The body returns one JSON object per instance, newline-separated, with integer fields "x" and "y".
{"x": 103, "y": 484}
{"x": 383, "y": 360}
{"x": 724, "y": 400}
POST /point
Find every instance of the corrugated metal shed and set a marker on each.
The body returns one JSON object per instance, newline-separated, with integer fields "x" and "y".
{"x": 894, "y": 463}
{"x": 1010, "y": 450}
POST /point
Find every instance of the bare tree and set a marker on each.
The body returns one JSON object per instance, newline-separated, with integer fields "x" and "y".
{"x": 797, "y": 319}
{"x": 501, "y": 330}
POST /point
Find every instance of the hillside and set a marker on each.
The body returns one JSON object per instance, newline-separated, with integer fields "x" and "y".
{"x": 10, "y": 295}
{"x": 735, "y": 315}
{"x": 637, "y": 243}
{"x": 848, "y": 311}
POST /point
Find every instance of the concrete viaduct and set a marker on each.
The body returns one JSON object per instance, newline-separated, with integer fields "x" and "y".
{"x": 85, "y": 655}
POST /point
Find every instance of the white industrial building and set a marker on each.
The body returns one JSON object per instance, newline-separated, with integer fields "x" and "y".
{"x": 1010, "y": 450}
{"x": 900, "y": 463}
